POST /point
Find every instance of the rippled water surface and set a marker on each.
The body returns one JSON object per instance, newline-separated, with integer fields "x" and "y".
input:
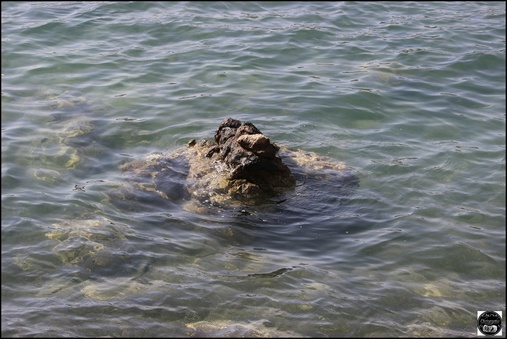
{"x": 411, "y": 95}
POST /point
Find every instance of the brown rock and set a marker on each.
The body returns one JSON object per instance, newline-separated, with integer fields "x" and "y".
{"x": 250, "y": 155}
{"x": 241, "y": 167}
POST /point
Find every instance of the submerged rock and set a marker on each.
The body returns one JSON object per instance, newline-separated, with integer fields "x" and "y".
{"x": 230, "y": 329}
{"x": 69, "y": 136}
{"x": 96, "y": 247}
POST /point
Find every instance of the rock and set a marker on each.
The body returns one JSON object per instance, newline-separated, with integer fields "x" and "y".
{"x": 242, "y": 166}
{"x": 250, "y": 155}
{"x": 230, "y": 329}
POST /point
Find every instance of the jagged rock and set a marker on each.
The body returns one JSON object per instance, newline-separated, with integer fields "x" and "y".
{"x": 242, "y": 167}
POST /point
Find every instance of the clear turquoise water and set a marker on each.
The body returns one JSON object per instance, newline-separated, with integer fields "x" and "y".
{"x": 411, "y": 95}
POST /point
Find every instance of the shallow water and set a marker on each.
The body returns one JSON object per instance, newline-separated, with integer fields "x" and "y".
{"x": 410, "y": 95}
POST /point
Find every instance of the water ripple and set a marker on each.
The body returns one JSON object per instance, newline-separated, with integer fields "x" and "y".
{"x": 410, "y": 95}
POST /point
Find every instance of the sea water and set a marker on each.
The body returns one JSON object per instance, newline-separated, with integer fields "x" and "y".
{"x": 411, "y": 95}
